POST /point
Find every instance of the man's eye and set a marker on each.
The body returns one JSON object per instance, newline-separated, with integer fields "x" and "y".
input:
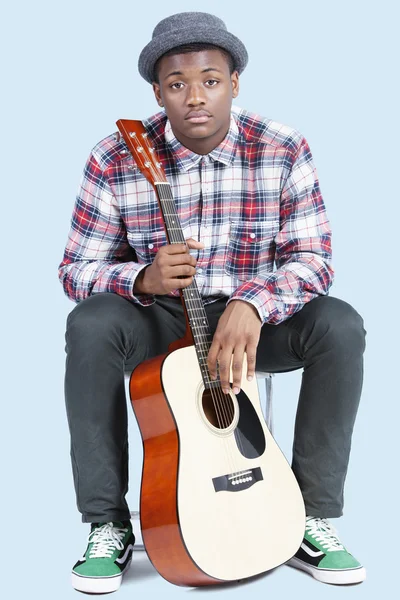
{"x": 174, "y": 84}
{"x": 212, "y": 81}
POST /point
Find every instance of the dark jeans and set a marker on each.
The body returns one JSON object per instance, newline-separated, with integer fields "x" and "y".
{"x": 107, "y": 335}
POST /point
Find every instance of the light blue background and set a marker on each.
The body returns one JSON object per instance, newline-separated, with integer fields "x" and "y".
{"x": 69, "y": 70}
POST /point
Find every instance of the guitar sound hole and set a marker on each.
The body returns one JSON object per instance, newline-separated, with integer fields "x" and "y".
{"x": 218, "y": 408}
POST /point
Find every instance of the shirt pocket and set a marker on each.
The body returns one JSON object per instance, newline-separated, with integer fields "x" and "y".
{"x": 251, "y": 248}
{"x": 146, "y": 244}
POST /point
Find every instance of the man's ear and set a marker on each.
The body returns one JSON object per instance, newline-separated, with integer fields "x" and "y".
{"x": 235, "y": 84}
{"x": 157, "y": 93}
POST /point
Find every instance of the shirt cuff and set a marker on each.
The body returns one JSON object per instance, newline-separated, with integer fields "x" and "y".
{"x": 143, "y": 299}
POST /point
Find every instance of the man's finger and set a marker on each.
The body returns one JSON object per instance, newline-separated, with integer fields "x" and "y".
{"x": 212, "y": 359}
{"x": 192, "y": 242}
{"x": 237, "y": 367}
{"x": 224, "y": 364}
{"x": 251, "y": 352}
{"x": 175, "y": 248}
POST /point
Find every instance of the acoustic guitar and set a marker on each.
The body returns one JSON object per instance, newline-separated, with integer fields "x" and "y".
{"x": 219, "y": 501}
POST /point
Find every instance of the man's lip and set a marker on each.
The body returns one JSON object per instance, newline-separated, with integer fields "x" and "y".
{"x": 197, "y": 114}
{"x": 202, "y": 119}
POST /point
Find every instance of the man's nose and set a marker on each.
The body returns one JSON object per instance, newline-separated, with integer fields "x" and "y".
{"x": 195, "y": 95}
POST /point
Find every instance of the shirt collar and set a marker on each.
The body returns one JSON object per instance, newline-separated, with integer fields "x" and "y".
{"x": 186, "y": 159}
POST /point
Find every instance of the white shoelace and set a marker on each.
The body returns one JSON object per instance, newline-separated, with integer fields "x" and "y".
{"x": 324, "y": 533}
{"x": 106, "y": 539}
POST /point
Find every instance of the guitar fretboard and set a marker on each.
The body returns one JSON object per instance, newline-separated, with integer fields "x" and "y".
{"x": 195, "y": 309}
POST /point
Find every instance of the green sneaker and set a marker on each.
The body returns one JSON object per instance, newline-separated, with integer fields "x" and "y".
{"x": 323, "y": 555}
{"x": 106, "y": 559}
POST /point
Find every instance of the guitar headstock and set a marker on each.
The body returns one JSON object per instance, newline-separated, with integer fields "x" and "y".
{"x": 136, "y": 138}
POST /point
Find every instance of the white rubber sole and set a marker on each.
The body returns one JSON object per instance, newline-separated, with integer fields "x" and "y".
{"x": 343, "y": 577}
{"x": 98, "y": 585}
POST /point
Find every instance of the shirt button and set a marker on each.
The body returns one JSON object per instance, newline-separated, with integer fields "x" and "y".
{"x": 199, "y": 270}
{"x": 252, "y": 235}
{"x": 151, "y": 246}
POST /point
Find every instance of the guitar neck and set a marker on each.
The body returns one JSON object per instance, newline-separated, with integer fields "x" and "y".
{"x": 137, "y": 140}
{"x": 191, "y": 298}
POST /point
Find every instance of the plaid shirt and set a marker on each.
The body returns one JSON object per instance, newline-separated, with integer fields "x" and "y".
{"x": 252, "y": 200}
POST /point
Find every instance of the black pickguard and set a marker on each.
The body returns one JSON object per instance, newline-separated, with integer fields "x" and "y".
{"x": 249, "y": 433}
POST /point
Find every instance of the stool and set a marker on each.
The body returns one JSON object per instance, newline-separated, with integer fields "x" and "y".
{"x": 265, "y": 392}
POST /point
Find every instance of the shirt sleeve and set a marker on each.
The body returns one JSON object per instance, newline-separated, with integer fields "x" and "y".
{"x": 98, "y": 257}
{"x": 303, "y": 254}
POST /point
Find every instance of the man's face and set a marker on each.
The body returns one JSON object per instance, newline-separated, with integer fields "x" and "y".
{"x": 196, "y": 90}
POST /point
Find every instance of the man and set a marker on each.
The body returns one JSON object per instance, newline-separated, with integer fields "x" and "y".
{"x": 247, "y": 194}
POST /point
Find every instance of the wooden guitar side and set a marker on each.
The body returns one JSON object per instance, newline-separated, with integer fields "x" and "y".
{"x": 158, "y": 502}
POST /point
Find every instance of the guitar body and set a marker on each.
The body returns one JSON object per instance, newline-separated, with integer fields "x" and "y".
{"x": 219, "y": 501}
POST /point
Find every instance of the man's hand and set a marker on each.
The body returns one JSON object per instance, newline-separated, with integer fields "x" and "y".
{"x": 238, "y": 331}
{"x": 173, "y": 268}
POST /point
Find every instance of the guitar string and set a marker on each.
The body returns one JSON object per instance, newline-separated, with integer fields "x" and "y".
{"x": 227, "y": 407}
{"x": 222, "y": 412}
{"x": 224, "y": 409}
{"x": 220, "y": 404}
{"x": 163, "y": 196}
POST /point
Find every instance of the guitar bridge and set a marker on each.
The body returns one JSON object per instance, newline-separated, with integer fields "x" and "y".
{"x": 235, "y": 482}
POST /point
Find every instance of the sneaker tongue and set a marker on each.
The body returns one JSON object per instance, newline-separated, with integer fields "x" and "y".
{"x": 115, "y": 523}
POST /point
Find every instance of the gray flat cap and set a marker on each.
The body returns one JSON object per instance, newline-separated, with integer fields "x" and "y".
{"x": 187, "y": 28}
